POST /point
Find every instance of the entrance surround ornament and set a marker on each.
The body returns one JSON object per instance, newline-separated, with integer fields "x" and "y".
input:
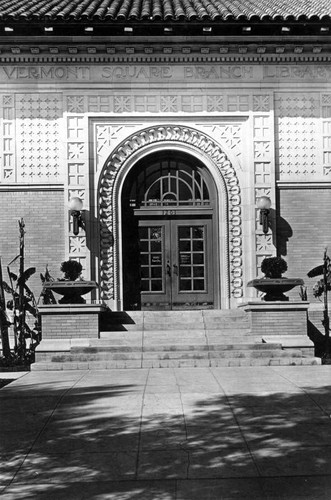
{"x": 108, "y": 211}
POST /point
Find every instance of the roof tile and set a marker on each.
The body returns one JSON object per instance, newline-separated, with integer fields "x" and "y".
{"x": 167, "y": 10}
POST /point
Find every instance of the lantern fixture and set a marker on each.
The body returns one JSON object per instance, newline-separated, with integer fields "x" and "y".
{"x": 76, "y": 207}
{"x": 264, "y": 204}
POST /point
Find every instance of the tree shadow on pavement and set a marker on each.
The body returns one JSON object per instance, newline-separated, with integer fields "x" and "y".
{"x": 117, "y": 441}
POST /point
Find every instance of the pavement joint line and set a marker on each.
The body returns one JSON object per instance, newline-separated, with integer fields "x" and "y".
{"x": 259, "y": 474}
{"x": 207, "y": 342}
{"x": 141, "y": 423}
{"x": 327, "y": 414}
{"x": 183, "y": 412}
{"x": 42, "y": 430}
{"x": 143, "y": 341}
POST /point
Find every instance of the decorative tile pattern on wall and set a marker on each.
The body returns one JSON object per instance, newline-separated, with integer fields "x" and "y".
{"x": 326, "y": 129}
{"x": 77, "y": 245}
{"x": 261, "y": 103}
{"x": 264, "y": 179}
{"x": 297, "y": 131}
{"x": 77, "y": 184}
{"x": 215, "y": 103}
{"x": 8, "y": 140}
{"x": 107, "y": 136}
{"x": 169, "y": 103}
{"x": 238, "y": 103}
{"x": 38, "y": 140}
{"x": 76, "y": 104}
{"x": 160, "y": 102}
{"x": 229, "y": 135}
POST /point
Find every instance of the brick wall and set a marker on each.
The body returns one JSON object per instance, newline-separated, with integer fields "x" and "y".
{"x": 43, "y": 215}
{"x": 286, "y": 323}
{"x": 284, "y": 318}
{"x": 68, "y": 321}
{"x": 303, "y": 232}
{"x": 68, "y": 326}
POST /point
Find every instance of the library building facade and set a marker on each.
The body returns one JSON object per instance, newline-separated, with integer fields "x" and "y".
{"x": 165, "y": 133}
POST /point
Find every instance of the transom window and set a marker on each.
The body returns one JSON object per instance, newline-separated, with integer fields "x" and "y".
{"x": 168, "y": 182}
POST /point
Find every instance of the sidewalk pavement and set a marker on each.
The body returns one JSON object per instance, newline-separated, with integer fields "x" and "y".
{"x": 167, "y": 434}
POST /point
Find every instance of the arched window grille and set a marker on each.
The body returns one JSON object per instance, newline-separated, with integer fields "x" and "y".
{"x": 169, "y": 182}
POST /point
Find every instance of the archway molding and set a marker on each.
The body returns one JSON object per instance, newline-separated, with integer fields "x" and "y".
{"x": 112, "y": 177}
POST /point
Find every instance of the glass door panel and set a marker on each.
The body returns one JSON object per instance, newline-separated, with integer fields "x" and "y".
{"x": 155, "y": 288}
{"x": 193, "y": 283}
{"x": 176, "y": 264}
{"x": 191, "y": 258}
{"x": 151, "y": 258}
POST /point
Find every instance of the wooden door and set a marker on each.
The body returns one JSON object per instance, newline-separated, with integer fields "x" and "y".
{"x": 176, "y": 263}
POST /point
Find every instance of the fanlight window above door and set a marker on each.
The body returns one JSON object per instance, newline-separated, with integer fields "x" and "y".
{"x": 167, "y": 183}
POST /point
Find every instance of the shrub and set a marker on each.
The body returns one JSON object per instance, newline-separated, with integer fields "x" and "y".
{"x": 273, "y": 267}
{"x": 71, "y": 269}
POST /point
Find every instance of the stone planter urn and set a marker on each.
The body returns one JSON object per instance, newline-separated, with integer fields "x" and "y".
{"x": 274, "y": 288}
{"x": 71, "y": 291}
{"x": 273, "y": 285}
{"x": 72, "y": 286}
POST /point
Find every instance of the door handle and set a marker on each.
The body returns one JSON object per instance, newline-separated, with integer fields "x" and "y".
{"x": 168, "y": 268}
{"x": 175, "y": 269}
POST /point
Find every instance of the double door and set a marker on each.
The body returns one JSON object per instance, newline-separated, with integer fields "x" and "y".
{"x": 176, "y": 263}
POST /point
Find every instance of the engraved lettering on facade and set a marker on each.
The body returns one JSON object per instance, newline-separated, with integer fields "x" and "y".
{"x": 302, "y": 72}
{"x": 218, "y": 72}
{"x": 136, "y": 72}
{"x": 47, "y": 72}
{"x": 145, "y": 73}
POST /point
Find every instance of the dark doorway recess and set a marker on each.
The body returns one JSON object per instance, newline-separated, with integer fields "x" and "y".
{"x": 169, "y": 239}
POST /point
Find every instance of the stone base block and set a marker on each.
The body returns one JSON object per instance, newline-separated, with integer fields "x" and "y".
{"x": 277, "y": 318}
{"x": 67, "y": 321}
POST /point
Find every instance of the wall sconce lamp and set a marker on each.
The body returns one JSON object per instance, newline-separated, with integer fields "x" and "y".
{"x": 264, "y": 204}
{"x": 76, "y": 207}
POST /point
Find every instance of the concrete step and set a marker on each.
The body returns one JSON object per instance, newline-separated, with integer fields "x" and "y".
{"x": 164, "y": 355}
{"x": 110, "y": 353}
{"x": 173, "y": 363}
{"x": 171, "y": 326}
{"x": 171, "y": 320}
{"x": 96, "y": 347}
{"x": 167, "y": 339}
{"x": 160, "y": 335}
{"x": 166, "y": 326}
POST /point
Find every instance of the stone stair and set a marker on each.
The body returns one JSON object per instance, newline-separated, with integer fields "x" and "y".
{"x": 172, "y": 339}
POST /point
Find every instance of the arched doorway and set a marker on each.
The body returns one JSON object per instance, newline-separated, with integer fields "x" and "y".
{"x": 169, "y": 234}
{"x": 218, "y": 171}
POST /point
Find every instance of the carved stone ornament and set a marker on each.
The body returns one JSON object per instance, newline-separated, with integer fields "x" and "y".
{"x": 108, "y": 203}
